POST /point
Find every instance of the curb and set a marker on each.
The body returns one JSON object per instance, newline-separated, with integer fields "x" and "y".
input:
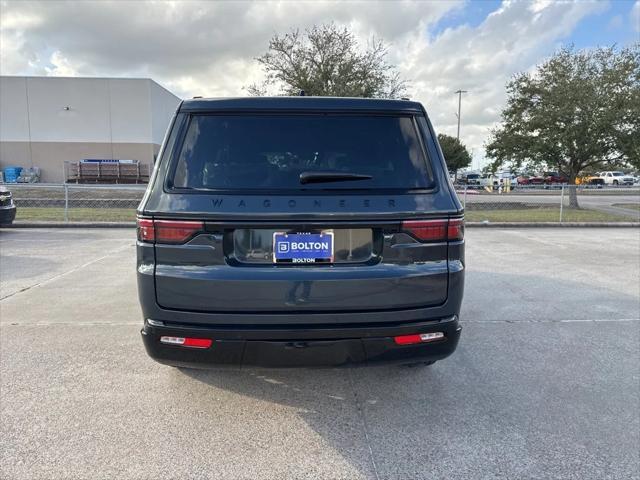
{"x": 467, "y": 224}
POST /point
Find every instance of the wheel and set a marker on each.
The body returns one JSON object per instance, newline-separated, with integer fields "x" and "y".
{"x": 615, "y": 182}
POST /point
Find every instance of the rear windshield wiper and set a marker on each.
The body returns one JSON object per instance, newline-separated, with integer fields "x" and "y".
{"x": 322, "y": 177}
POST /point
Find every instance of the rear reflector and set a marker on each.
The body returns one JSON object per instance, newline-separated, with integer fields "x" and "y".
{"x": 435, "y": 230}
{"x": 187, "y": 341}
{"x": 418, "y": 338}
{"x": 167, "y": 231}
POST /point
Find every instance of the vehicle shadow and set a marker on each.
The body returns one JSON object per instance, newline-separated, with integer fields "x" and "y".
{"x": 478, "y": 412}
{"x": 330, "y": 402}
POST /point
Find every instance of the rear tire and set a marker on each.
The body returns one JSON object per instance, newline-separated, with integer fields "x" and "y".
{"x": 615, "y": 182}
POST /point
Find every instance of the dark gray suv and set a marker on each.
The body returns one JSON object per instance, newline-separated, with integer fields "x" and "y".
{"x": 300, "y": 231}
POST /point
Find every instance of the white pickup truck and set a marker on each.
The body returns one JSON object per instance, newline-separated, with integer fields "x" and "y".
{"x": 617, "y": 178}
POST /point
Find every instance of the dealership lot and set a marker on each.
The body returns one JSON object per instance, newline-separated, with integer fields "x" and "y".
{"x": 545, "y": 382}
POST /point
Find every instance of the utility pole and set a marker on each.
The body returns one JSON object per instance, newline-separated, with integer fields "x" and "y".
{"x": 459, "y": 92}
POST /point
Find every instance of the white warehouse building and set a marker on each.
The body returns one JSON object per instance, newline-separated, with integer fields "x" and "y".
{"x": 47, "y": 121}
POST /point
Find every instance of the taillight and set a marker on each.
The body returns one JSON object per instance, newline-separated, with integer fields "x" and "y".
{"x": 455, "y": 231}
{"x": 167, "y": 231}
{"x": 146, "y": 231}
{"x": 435, "y": 230}
{"x": 426, "y": 230}
{"x": 170, "y": 231}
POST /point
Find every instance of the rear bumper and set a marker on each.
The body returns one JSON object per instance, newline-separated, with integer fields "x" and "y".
{"x": 301, "y": 346}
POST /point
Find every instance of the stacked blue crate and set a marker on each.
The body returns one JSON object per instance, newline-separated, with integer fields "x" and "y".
{"x": 11, "y": 174}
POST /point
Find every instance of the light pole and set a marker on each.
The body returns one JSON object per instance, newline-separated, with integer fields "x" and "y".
{"x": 459, "y": 92}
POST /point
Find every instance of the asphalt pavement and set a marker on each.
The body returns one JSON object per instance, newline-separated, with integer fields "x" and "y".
{"x": 545, "y": 382}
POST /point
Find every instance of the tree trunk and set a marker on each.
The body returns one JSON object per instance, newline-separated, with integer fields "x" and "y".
{"x": 572, "y": 191}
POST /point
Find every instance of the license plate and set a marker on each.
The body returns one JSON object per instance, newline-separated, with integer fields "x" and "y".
{"x": 303, "y": 247}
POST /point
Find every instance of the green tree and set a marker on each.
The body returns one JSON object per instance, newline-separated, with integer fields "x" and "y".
{"x": 580, "y": 110}
{"x": 327, "y": 61}
{"x": 455, "y": 153}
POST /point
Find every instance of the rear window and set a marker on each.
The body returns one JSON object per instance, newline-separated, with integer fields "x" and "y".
{"x": 272, "y": 151}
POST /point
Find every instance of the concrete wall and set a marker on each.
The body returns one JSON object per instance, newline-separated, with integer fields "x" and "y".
{"x": 14, "y": 113}
{"x": 47, "y": 120}
{"x": 50, "y": 156}
{"x": 163, "y": 107}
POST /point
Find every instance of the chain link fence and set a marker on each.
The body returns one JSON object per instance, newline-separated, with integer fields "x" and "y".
{"x": 561, "y": 203}
{"x": 71, "y": 202}
{"x": 117, "y": 203}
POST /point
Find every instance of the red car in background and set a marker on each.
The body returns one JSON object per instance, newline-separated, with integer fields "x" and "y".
{"x": 523, "y": 179}
{"x": 548, "y": 178}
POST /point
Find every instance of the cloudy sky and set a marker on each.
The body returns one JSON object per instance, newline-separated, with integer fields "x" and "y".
{"x": 208, "y": 48}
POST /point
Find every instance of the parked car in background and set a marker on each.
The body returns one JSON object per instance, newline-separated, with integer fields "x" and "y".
{"x": 471, "y": 179}
{"x": 617, "y": 178}
{"x": 7, "y": 206}
{"x": 536, "y": 180}
{"x": 594, "y": 180}
{"x": 523, "y": 179}
{"x": 548, "y": 178}
{"x": 300, "y": 231}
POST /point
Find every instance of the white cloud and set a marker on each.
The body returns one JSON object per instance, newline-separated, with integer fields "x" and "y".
{"x": 481, "y": 60}
{"x": 635, "y": 16}
{"x": 208, "y": 48}
{"x": 14, "y": 28}
{"x": 60, "y": 66}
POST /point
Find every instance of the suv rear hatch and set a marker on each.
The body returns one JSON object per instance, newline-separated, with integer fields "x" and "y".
{"x": 270, "y": 212}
